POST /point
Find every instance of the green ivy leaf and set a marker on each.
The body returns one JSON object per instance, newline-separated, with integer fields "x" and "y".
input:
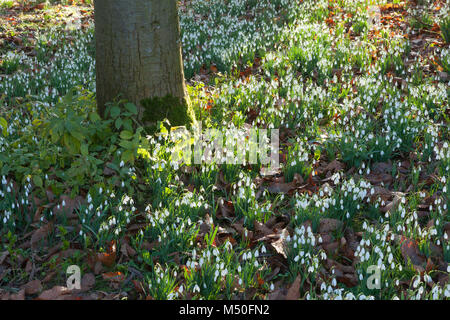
{"x": 94, "y": 117}
{"x": 84, "y": 149}
{"x": 128, "y": 156}
{"x": 127, "y": 145}
{"x": 118, "y": 123}
{"x": 131, "y": 108}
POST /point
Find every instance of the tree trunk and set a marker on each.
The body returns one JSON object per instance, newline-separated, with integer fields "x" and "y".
{"x": 139, "y": 57}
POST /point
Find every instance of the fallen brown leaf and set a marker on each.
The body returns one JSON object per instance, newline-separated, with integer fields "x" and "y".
{"x": 40, "y": 234}
{"x": 261, "y": 228}
{"x": 87, "y": 282}
{"x": 53, "y": 293}
{"x": 329, "y": 225}
{"x": 334, "y": 166}
{"x": 294, "y": 291}
{"x": 281, "y": 187}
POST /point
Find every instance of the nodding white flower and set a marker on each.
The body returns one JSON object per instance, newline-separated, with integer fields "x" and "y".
{"x": 196, "y": 288}
{"x": 121, "y": 164}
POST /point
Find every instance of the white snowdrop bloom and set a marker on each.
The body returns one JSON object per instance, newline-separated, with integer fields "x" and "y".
{"x": 263, "y": 249}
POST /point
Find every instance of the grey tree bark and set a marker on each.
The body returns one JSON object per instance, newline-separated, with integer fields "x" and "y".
{"x": 138, "y": 52}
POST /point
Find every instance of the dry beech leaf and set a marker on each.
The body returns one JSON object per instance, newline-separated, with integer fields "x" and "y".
{"x": 108, "y": 258}
{"x": 70, "y": 205}
{"x": 281, "y": 187}
{"x": 4, "y": 296}
{"x": 40, "y": 234}
{"x": 329, "y": 225}
{"x": 138, "y": 286}
{"x": 335, "y": 166}
{"x": 410, "y": 251}
{"x": 126, "y": 249}
{"x": 3, "y": 256}
{"x": 87, "y": 282}
{"x": 226, "y": 209}
{"x": 33, "y": 287}
{"x": 280, "y": 244}
{"x": 298, "y": 179}
{"x": 49, "y": 277}
{"x": 262, "y": 229}
{"x": 393, "y": 204}
{"x": 18, "y": 296}
{"x": 278, "y": 294}
{"x": 382, "y": 167}
{"x": 53, "y": 293}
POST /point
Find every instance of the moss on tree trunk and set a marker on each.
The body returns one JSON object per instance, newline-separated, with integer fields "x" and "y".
{"x": 178, "y": 112}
